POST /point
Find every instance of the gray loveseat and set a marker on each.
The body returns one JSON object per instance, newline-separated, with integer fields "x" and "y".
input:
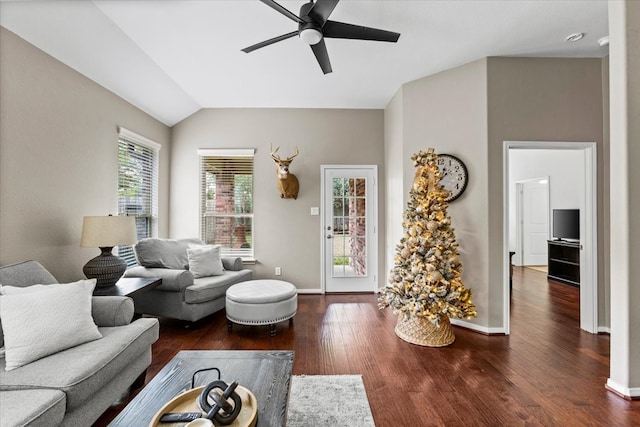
{"x": 75, "y": 386}
{"x": 181, "y": 295}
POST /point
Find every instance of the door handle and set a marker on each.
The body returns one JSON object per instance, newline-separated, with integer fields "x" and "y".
{"x": 329, "y": 236}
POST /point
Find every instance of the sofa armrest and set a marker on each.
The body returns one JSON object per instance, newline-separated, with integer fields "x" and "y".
{"x": 172, "y": 280}
{"x": 112, "y": 311}
{"x": 232, "y": 263}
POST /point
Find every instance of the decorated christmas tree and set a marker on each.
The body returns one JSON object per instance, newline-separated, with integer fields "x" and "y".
{"x": 425, "y": 286}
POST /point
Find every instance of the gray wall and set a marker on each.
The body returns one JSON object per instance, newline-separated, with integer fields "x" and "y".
{"x": 394, "y": 156}
{"x": 59, "y": 157}
{"x": 286, "y": 235}
{"x": 538, "y": 99}
{"x": 447, "y": 111}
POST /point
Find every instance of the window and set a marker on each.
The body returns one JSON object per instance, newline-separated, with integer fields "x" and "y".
{"x": 226, "y": 200}
{"x": 137, "y": 185}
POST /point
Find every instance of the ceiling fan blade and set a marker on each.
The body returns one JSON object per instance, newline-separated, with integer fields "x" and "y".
{"x": 321, "y": 10}
{"x": 270, "y": 41}
{"x": 340, "y": 30}
{"x": 272, "y": 4}
{"x": 320, "y": 51}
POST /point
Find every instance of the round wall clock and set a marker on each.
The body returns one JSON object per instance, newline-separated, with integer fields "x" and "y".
{"x": 453, "y": 175}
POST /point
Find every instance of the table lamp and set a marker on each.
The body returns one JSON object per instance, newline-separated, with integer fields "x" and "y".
{"x": 105, "y": 232}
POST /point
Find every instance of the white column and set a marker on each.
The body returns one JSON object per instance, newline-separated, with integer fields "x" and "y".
{"x": 624, "y": 66}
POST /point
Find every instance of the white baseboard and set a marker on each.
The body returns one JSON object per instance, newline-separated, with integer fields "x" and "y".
{"x": 604, "y": 330}
{"x": 478, "y": 328}
{"x": 310, "y": 291}
{"x": 626, "y": 392}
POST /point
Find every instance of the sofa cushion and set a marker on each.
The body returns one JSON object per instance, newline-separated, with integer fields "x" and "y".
{"x": 205, "y": 260}
{"x": 32, "y": 408}
{"x": 24, "y": 273}
{"x": 41, "y": 320}
{"x": 212, "y": 287}
{"x": 164, "y": 253}
{"x": 83, "y": 370}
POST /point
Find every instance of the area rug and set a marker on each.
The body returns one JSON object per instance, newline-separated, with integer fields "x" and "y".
{"x": 328, "y": 400}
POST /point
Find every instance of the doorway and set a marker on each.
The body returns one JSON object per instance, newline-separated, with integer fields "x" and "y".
{"x": 349, "y": 234}
{"x": 588, "y": 228}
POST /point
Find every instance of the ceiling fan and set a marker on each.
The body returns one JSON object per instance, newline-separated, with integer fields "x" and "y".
{"x": 314, "y": 25}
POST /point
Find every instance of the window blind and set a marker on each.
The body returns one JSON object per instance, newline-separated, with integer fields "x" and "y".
{"x": 226, "y": 201}
{"x": 138, "y": 159}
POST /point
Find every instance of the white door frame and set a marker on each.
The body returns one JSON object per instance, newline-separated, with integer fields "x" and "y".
{"x": 373, "y": 244}
{"x": 588, "y": 235}
{"x": 519, "y": 258}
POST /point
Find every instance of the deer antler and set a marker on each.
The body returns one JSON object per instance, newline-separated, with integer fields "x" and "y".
{"x": 273, "y": 153}
{"x": 294, "y": 155}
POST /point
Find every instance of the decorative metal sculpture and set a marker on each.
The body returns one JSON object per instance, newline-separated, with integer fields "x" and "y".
{"x": 222, "y": 411}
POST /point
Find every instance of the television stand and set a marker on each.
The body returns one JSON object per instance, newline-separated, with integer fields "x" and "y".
{"x": 564, "y": 261}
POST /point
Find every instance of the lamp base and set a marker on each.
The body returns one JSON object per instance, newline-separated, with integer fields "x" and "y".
{"x": 106, "y": 268}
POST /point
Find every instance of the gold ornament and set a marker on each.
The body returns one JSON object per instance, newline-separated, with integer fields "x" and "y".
{"x": 434, "y": 276}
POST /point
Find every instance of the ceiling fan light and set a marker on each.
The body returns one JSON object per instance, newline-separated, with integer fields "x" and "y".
{"x": 310, "y": 36}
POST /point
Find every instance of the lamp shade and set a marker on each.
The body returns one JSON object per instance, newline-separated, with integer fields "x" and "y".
{"x": 108, "y": 231}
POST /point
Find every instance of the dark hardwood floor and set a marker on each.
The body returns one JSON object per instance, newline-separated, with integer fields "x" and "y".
{"x": 546, "y": 373}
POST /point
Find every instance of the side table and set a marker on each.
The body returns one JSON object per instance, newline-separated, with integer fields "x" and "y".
{"x": 128, "y": 287}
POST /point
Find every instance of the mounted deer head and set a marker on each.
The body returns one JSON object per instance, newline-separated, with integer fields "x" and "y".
{"x": 287, "y": 182}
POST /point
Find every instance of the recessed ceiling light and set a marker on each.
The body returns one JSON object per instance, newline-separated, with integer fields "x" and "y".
{"x": 575, "y": 37}
{"x": 604, "y": 41}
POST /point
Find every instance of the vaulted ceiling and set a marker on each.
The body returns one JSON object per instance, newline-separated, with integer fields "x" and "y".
{"x": 172, "y": 58}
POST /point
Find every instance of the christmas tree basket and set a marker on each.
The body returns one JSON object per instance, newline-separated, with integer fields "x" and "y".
{"x": 421, "y": 331}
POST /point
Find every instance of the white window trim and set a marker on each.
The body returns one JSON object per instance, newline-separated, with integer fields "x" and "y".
{"x": 224, "y": 152}
{"x": 128, "y": 134}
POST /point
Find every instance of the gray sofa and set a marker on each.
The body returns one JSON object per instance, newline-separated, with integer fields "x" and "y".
{"x": 75, "y": 386}
{"x": 181, "y": 296}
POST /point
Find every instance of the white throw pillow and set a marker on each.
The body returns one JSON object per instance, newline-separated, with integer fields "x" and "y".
{"x": 15, "y": 290}
{"x": 41, "y": 320}
{"x": 205, "y": 260}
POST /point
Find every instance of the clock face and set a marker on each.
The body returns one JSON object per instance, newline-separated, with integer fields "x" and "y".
{"x": 453, "y": 175}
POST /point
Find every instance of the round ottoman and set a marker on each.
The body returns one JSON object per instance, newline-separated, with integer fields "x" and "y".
{"x": 261, "y": 302}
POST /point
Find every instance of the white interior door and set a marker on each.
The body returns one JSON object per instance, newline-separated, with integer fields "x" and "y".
{"x": 349, "y": 238}
{"x": 534, "y": 199}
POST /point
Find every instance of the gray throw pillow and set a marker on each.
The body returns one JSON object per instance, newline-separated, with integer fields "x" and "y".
{"x": 164, "y": 253}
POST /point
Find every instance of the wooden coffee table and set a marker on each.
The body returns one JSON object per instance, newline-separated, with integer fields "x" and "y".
{"x": 265, "y": 373}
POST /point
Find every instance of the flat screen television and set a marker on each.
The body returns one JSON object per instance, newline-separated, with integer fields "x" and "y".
{"x": 566, "y": 224}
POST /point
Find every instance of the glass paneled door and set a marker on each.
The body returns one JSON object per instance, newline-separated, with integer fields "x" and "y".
{"x": 349, "y": 228}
